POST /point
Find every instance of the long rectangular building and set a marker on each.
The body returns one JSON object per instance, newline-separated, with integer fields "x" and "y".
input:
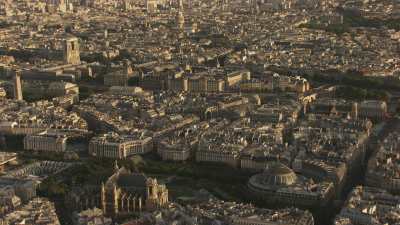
{"x": 46, "y": 142}
{"x": 112, "y": 145}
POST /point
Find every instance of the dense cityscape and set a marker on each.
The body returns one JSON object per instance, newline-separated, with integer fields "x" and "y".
{"x": 199, "y": 112}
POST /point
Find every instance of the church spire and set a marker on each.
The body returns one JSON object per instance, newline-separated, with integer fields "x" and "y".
{"x": 181, "y": 5}
{"x": 116, "y": 167}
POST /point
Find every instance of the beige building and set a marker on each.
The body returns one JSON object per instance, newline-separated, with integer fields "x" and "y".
{"x": 373, "y": 109}
{"x": 255, "y": 86}
{"x": 178, "y": 84}
{"x": 179, "y": 150}
{"x": 214, "y": 85}
{"x": 112, "y": 145}
{"x": 151, "y": 6}
{"x": 117, "y": 78}
{"x": 236, "y": 77}
{"x": 36, "y": 211}
{"x": 205, "y": 84}
{"x": 174, "y": 154}
{"x": 62, "y": 88}
{"x": 228, "y": 158}
{"x": 46, "y": 142}
{"x": 3, "y": 93}
{"x": 296, "y": 84}
{"x": 197, "y": 84}
{"x": 228, "y": 154}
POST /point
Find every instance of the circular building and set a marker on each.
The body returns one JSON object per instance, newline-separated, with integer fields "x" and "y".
{"x": 273, "y": 177}
{"x": 278, "y": 184}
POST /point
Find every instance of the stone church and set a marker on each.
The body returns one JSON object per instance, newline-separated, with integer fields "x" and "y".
{"x": 123, "y": 193}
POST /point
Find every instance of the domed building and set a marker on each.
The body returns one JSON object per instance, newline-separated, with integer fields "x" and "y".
{"x": 278, "y": 184}
{"x": 274, "y": 176}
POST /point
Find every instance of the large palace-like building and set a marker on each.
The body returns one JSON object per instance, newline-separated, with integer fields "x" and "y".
{"x": 124, "y": 193}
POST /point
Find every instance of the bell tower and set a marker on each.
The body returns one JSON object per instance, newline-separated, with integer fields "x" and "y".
{"x": 152, "y": 194}
{"x": 71, "y": 51}
{"x": 103, "y": 199}
{"x": 116, "y": 200}
{"x": 180, "y": 18}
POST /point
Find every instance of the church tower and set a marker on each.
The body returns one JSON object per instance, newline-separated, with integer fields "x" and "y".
{"x": 71, "y": 51}
{"x": 103, "y": 199}
{"x": 128, "y": 68}
{"x": 152, "y": 194}
{"x": 180, "y": 18}
{"x": 181, "y": 5}
{"x": 116, "y": 199}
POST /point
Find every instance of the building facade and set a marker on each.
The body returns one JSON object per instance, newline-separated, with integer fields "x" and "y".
{"x": 114, "y": 146}
{"x": 45, "y": 142}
